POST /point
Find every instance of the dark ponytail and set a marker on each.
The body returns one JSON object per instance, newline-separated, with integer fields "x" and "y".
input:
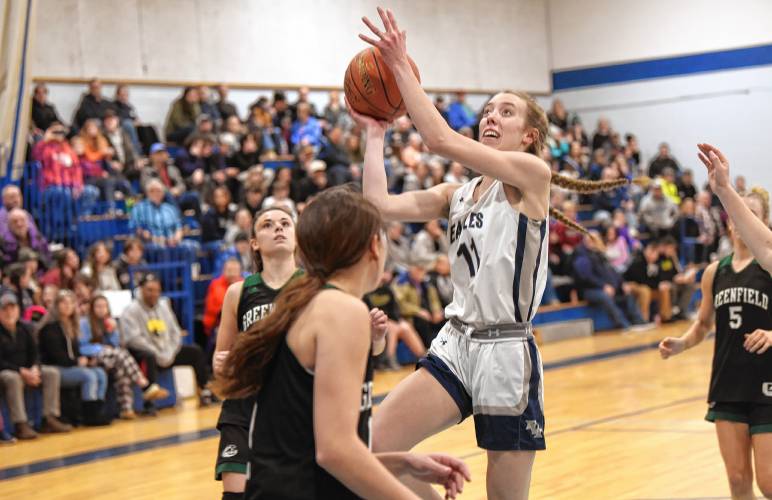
{"x": 334, "y": 232}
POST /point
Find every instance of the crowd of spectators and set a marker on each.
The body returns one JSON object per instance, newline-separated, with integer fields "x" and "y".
{"x": 202, "y": 186}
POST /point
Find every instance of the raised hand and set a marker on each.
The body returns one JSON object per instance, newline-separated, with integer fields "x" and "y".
{"x": 717, "y": 165}
{"x": 392, "y": 42}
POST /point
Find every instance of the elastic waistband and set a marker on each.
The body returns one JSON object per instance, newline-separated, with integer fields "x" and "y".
{"x": 493, "y": 332}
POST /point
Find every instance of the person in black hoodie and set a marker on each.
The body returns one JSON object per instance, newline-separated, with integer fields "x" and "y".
{"x": 215, "y": 222}
{"x": 58, "y": 340}
{"x": 19, "y": 368}
{"x": 601, "y": 285}
{"x": 92, "y": 105}
{"x": 43, "y": 113}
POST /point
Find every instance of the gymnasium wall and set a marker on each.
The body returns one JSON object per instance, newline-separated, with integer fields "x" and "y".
{"x": 298, "y": 42}
{"x": 685, "y": 72}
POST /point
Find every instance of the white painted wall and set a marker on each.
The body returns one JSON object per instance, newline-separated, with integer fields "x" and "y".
{"x": 730, "y": 109}
{"x": 456, "y": 43}
{"x": 598, "y": 32}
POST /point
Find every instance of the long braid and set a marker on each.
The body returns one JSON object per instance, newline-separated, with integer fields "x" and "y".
{"x": 586, "y": 187}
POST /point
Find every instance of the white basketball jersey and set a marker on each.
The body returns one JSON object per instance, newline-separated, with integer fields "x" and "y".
{"x": 498, "y": 258}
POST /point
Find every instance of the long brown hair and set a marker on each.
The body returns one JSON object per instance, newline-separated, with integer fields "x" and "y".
{"x": 257, "y": 258}
{"x": 536, "y": 118}
{"x": 333, "y": 233}
{"x": 97, "y": 325}
{"x": 71, "y": 326}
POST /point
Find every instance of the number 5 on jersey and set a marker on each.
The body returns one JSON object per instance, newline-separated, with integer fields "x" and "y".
{"x": 473, "y": 263}
{"x": 735, "y": 317}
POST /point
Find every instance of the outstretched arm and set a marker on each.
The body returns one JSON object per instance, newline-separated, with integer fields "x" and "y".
{"x": 524, "y": 171}
{"x": 413, "y": 206}
{"x": 753, "y": 231}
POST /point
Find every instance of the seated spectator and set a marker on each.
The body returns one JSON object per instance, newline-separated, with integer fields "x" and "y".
{"x": 18, "y": 279}
{"x": 383, "y": 298}
{"x": 18, "y": 234}
{"x": 95, "y": 156}
{"x": 710, "y": 225}
{"x": 156, "y": 221}
{"x": 43, "y": 112}
{"x": 334, "y": 112}
{"x": 336, "y": 157}
{"x": 59, "y": 344}
{"x": 606, "y": 202}
{"x": 440, "y": 278}
{"x": 216, "y": 220}
{"x": 253, "y": 199}
{"x": 398, "y": 256}
{"x": 124, "y": 160}
{"x": 460, "y": 114}
{"x": 280, "y": 198}
{"x": 60, "y": 168}
{"x": 100, "y": 342}
{"x": 148, "y": 325}
{"x": 594, "y": 170}
{"x": 314, "y": 183}
{"x": 160, "y": 168}
{"x": 658, "y": 213}
{"x": 248, "y": 153}
{"x": 96, "y": 147}
{"x": 682, "y": 282}
{"x": 66, "y": 266}
{"x": 99, "y": 268}
{"x": 20, "y": 368}
{"x": 687, "y": 231}
{"x": 208, "y": 106}
{"x": 240, "y": 250}
{"x": 623, "y": 227}
{"x": 685, "y": 184}
{"x": 642, "y": 276}
{"x": 430, "y": 243}
{"x": 181, "y": 120}
{"x": 563, "y": 240}
{"x": 457, "y": 174}
{"x": 303, "y": 94}
{"x": 601, "y": 139}
{"x": 242, "y": 223}
{"x": 558, "y": 115}
{"x": 132, "y": 255}
{"x": 572, "y": 163}
{"x": 92, "y": 104}
{"x": 578, "y": 134}
{"x": 215, "y": 294}
{"x": 306, "y": 129}
{"x": 419, "y": 302}
{"x": 413, "y": 152}
{"x": 226, "y": 108}
{"x": 617, "y": 250}
{"x": 662, "y": 161}
{"x": 201, "y": 156}
{"x": 233, "y": 131}
{"x": 600, "y": 285}
{"x": 12, "y": 199}
{"x": 669, "y": 186}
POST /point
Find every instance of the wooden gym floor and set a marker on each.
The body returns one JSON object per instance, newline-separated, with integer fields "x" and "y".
{"x": 621, "y": 424}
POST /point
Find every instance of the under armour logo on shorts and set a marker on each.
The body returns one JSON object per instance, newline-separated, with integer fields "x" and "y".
{"x": 533, "y": 427}
{"x": 230, "y": 451}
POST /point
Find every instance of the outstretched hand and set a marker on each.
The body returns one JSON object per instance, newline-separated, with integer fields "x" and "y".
{"x": 717, "y": 165}
{"x": 392, "y": 42}
{"x": 439, "y": 468}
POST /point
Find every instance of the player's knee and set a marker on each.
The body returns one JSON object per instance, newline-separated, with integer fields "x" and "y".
{"x": 740, "y": 481}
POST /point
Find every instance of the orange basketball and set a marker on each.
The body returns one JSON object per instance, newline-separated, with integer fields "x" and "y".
{"x": 371, "y": 88}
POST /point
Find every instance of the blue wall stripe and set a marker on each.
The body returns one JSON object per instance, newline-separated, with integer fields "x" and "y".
{"x": 664, "y": 67}
{"x": 188, "y": 437}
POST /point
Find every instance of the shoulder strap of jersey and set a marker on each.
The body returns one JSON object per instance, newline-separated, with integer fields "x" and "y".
{"x": 251, "y": 281}
{"x": 726, "y": 261}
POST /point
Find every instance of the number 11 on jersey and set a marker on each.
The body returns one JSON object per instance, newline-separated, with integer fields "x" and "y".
{"x": 473, "y": 263}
